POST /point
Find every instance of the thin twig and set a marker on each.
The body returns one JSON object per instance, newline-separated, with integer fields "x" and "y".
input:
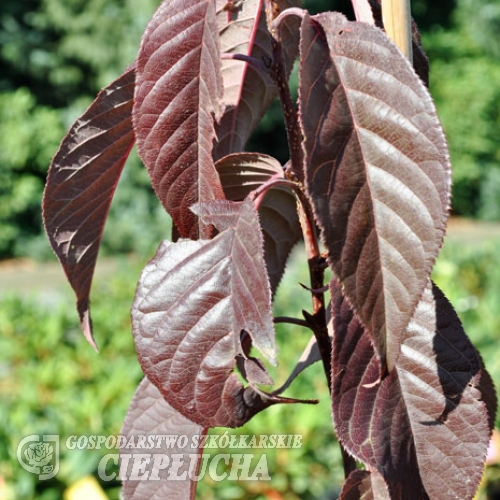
{"x": 292, "y": 321}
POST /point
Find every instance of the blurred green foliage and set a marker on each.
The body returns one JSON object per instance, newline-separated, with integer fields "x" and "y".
{"x": 464, "y": 77}
{"x": 55, "y": 55}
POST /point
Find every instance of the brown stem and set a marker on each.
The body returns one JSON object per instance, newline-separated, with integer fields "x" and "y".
{"x": 294, "y": 135}
{"x": 317, "y": 267}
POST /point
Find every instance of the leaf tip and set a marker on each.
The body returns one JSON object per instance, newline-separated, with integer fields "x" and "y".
{"x": 86, "y": 323}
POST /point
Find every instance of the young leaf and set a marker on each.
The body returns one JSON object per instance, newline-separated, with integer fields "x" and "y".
{"x": 377, "y": 172}
{"x": 170, "y": 471}
{"x": 193, "y": 300}
{"x": 80, "y": 185}
{"x": 177, "y": 100}
{"x": 426, "y": 426}
{"x": 242, "y": 173}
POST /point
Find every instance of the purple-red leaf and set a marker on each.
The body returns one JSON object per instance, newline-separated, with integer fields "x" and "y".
{"x": 242, "y": 173}
{"x": 193, "y": 300}
{"x": 364, "y": 485}
{"x": 426, "y": 426}
{"x": 377, "y": 170}
{"x": 169, "y": 471}
{"x": 81, "y": 181}
{"x": 176, "y": 103}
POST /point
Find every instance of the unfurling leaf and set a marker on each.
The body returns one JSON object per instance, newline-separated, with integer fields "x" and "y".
{"x": 176, "y": 103}
{"x": 377, "y": 170}
{"x": 80, "y": 185}
{"x": 193, "y": 300}
{"x": 426, "y": 426}
{"x": 242, "y": 173}
{"x": 169, "y": 470}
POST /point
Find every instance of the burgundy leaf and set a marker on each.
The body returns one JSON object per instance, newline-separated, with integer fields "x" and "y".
{"x": 426, "y": 426}
{"x": 178, "y": 89}
{"x": 364, "y": 485}
{"x": 80, "y": 185}
{"x": 377, "y": 170}
{"x": 151, "y": 416}
{"x": 242, "y": 173}
{"x": 248, "y": 88}
{"x": 193, "y": 300}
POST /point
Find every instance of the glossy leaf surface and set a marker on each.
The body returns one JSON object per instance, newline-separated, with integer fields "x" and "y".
{"x": 377, "y": 170}
{"x": 193, "y": 301}
{"x": 81, "y": 182}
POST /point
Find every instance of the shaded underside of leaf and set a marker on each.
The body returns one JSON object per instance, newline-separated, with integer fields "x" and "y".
{"x": 242, "y": 173}
{"x": 151, "y": 416}
{"x": 193, "y": 301}
{"x": 248, "y": 89}
{"x": 377, "y": 170}
{"x": 81, "y": 182}
{"x": 425, "y": 427}
{"x": 176, "y": 103}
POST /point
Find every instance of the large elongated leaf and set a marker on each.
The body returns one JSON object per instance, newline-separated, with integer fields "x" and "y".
{"x": 169, "y": 471}
{"x": 426, "y": 426}
{"x": 193, "y": 301}
{"x": 81, "y": 182}
{"x": 240, "y": 174}
{"x": 177, "y": 100}
{"x": 377, "y": 170}
{"x": 248, "y": 88}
